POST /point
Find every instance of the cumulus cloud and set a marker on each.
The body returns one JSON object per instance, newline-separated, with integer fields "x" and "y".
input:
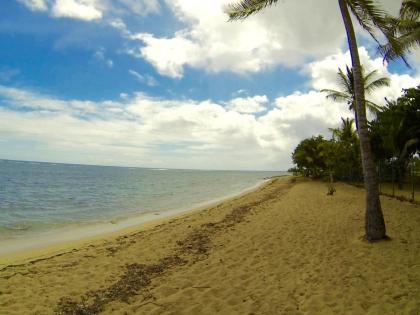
{"x": 281, "y": 35}
{"x": 87, "y": 10}
{"x": 249, "y": 105}
{"x": 169, "y": 55}
{"x": 91, "y": 10}
{"x": 323, "y": 74}
{"x": 273, "y": 37}
{"x": 78, "y": 9}
{"x": 245, "y": 132}
{"x": 138, "y": 129}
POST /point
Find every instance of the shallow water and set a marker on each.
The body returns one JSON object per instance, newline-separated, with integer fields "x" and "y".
{"x": 42, "y": 196}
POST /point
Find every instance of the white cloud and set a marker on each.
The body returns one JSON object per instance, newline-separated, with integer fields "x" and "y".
{"x": 323, "y": 75}
{"x": 141, "y": 7}
{"x": 169, "y": 56}
{"x": 91, "y": 10}
{"x": 275, "y": 36}
{"x": 100, "y": 55}
{"x": 311, "y": 104}
{"x": 280, "y": 35}
{"x": 87, "y": 10}
{"x": 249, "y": 105}
{"x": 146, "y": 78}
{"x": 119, "y": 24}
{"x": 19, "y": 98}
{"x": 149, "y": 131}
{"x": 137, "y": 129}
{"x": 78, "y": 9}
{"x": 23, "y": 98}
{"x": 414, "y": 58}
{"x": 137, "y": 75}
{"x": 35, "y": 5}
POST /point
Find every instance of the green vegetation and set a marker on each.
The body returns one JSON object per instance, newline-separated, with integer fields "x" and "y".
{"x": 310, "y": 158}
{"x": 406, "y": 28}
{"x": 346, "y": 81}
{"x": 395, "y": 139}
{"x": 337, "y": 158}
{"x": 395, "y": 133}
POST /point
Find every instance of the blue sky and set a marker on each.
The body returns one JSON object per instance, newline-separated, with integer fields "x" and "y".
{"x": 67, "y": 57}
{"x": 172, "y": 83}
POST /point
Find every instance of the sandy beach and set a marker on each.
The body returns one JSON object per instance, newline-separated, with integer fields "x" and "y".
{"x": 284, "y": 248}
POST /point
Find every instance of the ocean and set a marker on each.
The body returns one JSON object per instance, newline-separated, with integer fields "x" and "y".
{"x": 36, "y": 197}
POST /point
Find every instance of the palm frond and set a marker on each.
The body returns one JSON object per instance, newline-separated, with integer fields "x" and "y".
{"x": 369, "y": 76}
{"x": 372, "y": 107}
{"x": 369, "y": 15}
{"x": 337, "y": 95}
{"x": 394, "y": 51}
{"x": 345, "y": 80}
{"x": 410, "y": 39}
{"x": 408, "y": 144}
{"x": 243, "y": 9}
{"x": 378, "y": 83}
{"x": 403, "y": 33}
{"x": 410, "y": 9}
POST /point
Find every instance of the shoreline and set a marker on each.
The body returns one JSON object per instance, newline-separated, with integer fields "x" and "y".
{"x": 52, "y": 242}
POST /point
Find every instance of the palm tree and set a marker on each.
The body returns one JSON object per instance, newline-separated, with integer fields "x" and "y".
{"x": 371, "y": 18}
{"x": 346, "y": 81}
{"x": 346, "y": 132}
{"x": 396, "y": 132}
{"x": 406, "y": 27}
{"x": 347, "y": 151}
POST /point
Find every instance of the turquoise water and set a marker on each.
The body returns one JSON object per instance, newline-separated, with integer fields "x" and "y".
{"x": 41, "y": 196}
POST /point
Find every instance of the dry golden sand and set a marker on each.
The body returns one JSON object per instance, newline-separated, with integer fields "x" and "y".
{"x": 286, "y": 248}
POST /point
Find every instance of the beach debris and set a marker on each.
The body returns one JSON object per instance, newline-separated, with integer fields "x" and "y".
{"x": 196, "y": 243}
{"x": 331, "y": 190}
{"x": 137, "y": 277}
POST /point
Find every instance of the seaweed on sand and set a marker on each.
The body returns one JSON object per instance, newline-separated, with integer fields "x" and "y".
{"x": 137, "y": 277}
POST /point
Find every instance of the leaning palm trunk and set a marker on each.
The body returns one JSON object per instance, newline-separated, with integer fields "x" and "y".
{"x": 374, "y": 220}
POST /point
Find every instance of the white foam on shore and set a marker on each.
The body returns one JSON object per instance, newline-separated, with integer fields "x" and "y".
{"x": 80, "y": 232}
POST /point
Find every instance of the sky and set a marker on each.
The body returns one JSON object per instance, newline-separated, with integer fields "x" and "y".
{"x": 172, "y": 83}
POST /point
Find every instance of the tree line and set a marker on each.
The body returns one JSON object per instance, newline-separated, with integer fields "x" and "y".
{"x": 394, "y": 138}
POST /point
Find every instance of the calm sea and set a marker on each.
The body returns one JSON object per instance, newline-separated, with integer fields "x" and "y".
{"x": 43, "y": 196}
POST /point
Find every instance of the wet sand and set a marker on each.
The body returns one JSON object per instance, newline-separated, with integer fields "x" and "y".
{"x": 285, "y": 248}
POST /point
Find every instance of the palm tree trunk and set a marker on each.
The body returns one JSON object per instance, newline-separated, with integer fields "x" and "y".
{"x": 356, "y": 121}
{"x": 374, "y": 220}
